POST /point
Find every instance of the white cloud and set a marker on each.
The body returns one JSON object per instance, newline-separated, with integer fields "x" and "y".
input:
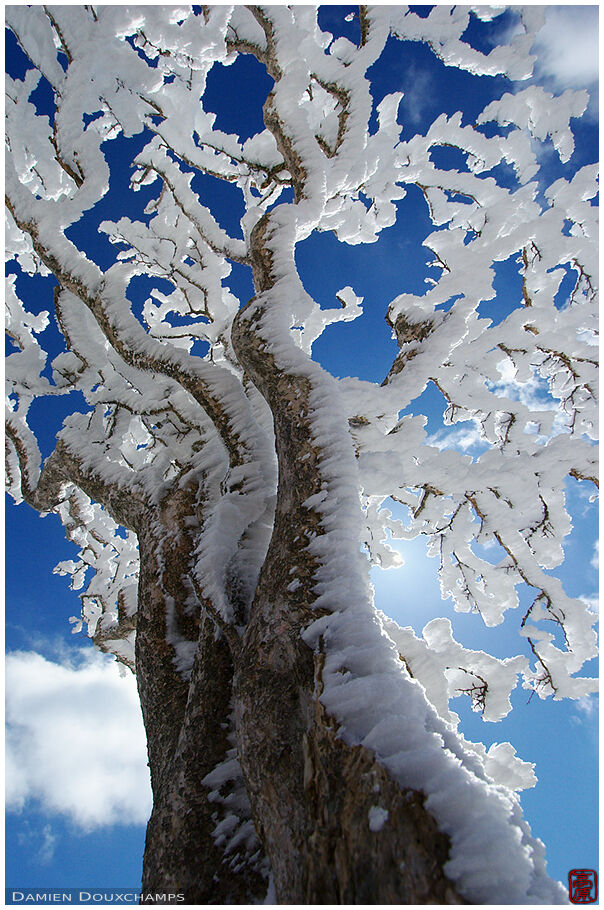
{"x": 587, "y": 704}
{"x": 418, "y": 94}
{"x": 46, "y": 851}
{"x": 567, "y": 46}
{"x": 75, "y": 741}
{"x": 587, "y": 711}
{"x": 467, "y": 436}
{"x": 592, "y": 601}
{"x": 595, "y": 559}
{"x": 39, "y": 844}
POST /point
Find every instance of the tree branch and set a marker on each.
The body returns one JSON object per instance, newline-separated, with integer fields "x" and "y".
{"x": 209, "y": 384}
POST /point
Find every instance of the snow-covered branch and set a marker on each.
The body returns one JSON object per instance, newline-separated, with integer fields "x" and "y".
{"x": 220, "y": 483}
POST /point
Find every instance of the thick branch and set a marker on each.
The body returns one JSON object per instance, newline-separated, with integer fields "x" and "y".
{"x": 209, "y": 384}
{"x": 123, "y": 501}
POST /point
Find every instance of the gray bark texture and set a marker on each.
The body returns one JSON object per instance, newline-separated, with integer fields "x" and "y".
{"x": 309, "y": 792}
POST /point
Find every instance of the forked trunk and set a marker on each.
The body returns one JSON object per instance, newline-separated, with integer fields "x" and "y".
{"x": 311, "y": 793}
{"x": 313, "y": 797}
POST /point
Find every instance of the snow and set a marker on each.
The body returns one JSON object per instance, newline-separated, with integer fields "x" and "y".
{"x": 540, "y": 113}
{"x": 159, "y": 421}
{"x": 377, "y": 818}
{"x": 234, "y": 829}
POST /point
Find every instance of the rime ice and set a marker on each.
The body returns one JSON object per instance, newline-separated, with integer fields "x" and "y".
{"x": 177, "y": 444}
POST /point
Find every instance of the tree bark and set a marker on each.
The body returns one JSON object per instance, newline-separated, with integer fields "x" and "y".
{"x": 311, "y": 792}
{"x": 187, "y": 726}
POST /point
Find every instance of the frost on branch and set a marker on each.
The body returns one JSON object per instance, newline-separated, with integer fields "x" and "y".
{"x": 109, "y": 598}
{"x": 183, "y": 394}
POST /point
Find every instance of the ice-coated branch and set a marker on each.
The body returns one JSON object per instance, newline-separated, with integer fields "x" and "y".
{"x": 109, "y": 599}
{"x": 36, "y": 39}
{"x": 104, "y": 484}
{"x": 209, "y": 384}
{"x": 443, "y": 30}
{"x": 22, "y": 460}
{"x": 200, "y": 216}
{"x": 250, "y": 476}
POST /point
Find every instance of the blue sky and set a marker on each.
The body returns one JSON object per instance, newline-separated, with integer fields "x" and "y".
{"x": 83, "y": 825}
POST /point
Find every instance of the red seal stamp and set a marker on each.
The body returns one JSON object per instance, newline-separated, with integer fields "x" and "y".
{"x": 583, "y": 886}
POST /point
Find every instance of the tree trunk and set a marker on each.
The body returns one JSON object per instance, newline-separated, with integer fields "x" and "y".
{"x": 311, "y": 793}
{"x": 188, "y": 734}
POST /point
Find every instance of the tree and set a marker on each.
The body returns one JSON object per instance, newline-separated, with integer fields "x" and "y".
{"x": 230, "y": 495}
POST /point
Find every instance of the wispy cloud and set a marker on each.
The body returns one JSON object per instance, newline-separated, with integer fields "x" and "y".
{"x": 418, "y": 95}
{"x": 465, "y": 437}
{"x": 47, "y": 850}
{"x": 587, "y": 711}
{"x": 75, "y": 742}
{"x": 567, "y": 46}
{"x": 595, "y": 559}
{"x": 587, "y": 705}
{"x": 39, "y": 844}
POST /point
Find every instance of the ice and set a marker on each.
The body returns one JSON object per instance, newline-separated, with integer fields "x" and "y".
{"x": 377, "y": 818}
{"x": 519, "y": 394}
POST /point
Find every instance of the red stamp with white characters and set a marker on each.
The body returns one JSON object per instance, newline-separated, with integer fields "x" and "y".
{"x": 583, "y": 886}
